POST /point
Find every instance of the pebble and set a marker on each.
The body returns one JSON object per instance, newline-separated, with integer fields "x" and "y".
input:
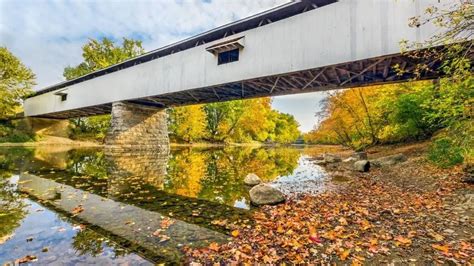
{"x": 448, "y": 231}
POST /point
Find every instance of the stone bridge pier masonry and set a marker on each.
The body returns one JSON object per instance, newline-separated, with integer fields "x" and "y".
{"x": 137, "y": 127}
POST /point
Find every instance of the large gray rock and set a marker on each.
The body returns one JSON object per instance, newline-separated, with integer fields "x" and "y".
{"x": 264, "y": 194}
{"x": 362, "y": 166}
{"x": 331, "y": 158}
{"x": 389, "y": 160}
{"x": 252, "y": 179}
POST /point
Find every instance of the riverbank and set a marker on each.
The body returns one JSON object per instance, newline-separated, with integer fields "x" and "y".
{"x": 410, "y": 212}
{"x": 55, "y": 141}
{"x": 52, "y": 141}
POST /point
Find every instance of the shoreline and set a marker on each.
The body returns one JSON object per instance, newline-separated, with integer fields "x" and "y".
{"x": 59, "y": 141}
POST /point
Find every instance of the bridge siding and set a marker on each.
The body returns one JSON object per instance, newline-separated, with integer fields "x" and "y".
{"x": 345, "y": 31}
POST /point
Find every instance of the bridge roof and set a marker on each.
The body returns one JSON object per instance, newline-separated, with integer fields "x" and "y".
{"x": 284, "y": 11}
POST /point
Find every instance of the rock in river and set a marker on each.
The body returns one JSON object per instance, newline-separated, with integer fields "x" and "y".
{"x": 264, "y": 194}
{"x": 362, "y": 166}
{"x": 252, "y": 179}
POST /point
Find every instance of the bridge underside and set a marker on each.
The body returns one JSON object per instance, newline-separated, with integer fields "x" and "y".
{"x": 366, "y": 72}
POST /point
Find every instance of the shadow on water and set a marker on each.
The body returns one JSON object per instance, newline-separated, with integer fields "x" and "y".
{"x": 127, "y": 198}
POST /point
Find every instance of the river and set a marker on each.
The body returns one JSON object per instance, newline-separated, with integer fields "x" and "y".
{"x": 68, "y": 206}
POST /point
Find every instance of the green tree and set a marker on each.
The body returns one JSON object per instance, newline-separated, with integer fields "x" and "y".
{"x": 16, "y": 82}
{"x": 286, "y": 128}
{"x": 99, "y": 54}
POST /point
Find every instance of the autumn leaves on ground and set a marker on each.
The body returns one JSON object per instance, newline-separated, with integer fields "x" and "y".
{"x": 411, "y": 212}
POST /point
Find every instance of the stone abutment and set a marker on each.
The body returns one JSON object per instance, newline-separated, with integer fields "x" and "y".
{"x": 137, "y": 128}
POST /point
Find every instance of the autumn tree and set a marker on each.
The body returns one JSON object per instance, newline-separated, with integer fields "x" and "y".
{"x": 187, "y": 123}
{"x": 249, "y": 120}
{"x": 99, "y": 54}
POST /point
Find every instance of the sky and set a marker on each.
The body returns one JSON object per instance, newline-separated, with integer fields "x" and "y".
{"x": 47, "y": 35}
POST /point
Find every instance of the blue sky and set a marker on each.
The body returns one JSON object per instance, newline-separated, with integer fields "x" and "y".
{"x": 47, "y": 35}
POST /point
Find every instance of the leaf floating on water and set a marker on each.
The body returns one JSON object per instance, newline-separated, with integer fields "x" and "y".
{"x": 26, "y": 259}
{"x": 77, "y": 210}
{"x": 166, "y": 223}
{"x": 157, "y": 233}
{"x": 164, "y": 238}
{"x": 79, "y": 227}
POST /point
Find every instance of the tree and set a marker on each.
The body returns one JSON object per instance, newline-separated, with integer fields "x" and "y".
{"x": 187, "y": 123}
{"x": 16, "y": 82}
{"x": 286, "y": 128}
{"x": 99, "y": 54}
{"x": 249, "y": 120}
{"x": 451, "y": 103}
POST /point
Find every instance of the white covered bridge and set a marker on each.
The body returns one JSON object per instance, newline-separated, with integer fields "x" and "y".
{"x": 302, "y": 46}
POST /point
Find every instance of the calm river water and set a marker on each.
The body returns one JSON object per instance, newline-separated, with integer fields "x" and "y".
{"x": 70, "y": 206}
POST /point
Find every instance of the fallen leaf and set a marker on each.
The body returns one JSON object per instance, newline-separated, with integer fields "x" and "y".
{"x": 235, "y": 233}
{"x": 214, "y": 246}
{"x": 343, "y": 221}
{"x": 402, "y": 241}
{"x": 280, "y": 229}
{"x": 313, "y": 236}
{"x": 442, "y": 248}
{"x": 343, "y": 255}
{"x": 436, "y": 236}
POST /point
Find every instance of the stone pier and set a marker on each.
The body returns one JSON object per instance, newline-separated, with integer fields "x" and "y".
{"x": 137, "y": 128}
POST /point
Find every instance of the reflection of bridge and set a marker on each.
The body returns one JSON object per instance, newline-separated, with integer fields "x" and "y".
{"x": 129, "y": 222}
{"x": 302, "y": 46}
{"x": 132, "y": 178}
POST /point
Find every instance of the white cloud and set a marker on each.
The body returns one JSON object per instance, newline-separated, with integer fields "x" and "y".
{"x": 47, "y": 35}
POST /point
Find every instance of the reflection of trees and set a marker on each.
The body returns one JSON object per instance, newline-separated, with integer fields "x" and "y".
{"x": 11, "y": 205}
{"x": 187, "y": 168}
{"x": 90, "y": 242}
{"x": 11, "y": 208}
{"x": 88, "y": 163}
{"x": 217, "y": 174}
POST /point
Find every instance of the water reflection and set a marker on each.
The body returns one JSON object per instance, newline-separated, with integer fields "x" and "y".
{"x": 126, "y": 197}
{"x": 216, "y": 174}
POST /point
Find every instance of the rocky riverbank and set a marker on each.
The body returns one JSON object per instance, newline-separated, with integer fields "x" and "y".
{"x": 400, "y": 210}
